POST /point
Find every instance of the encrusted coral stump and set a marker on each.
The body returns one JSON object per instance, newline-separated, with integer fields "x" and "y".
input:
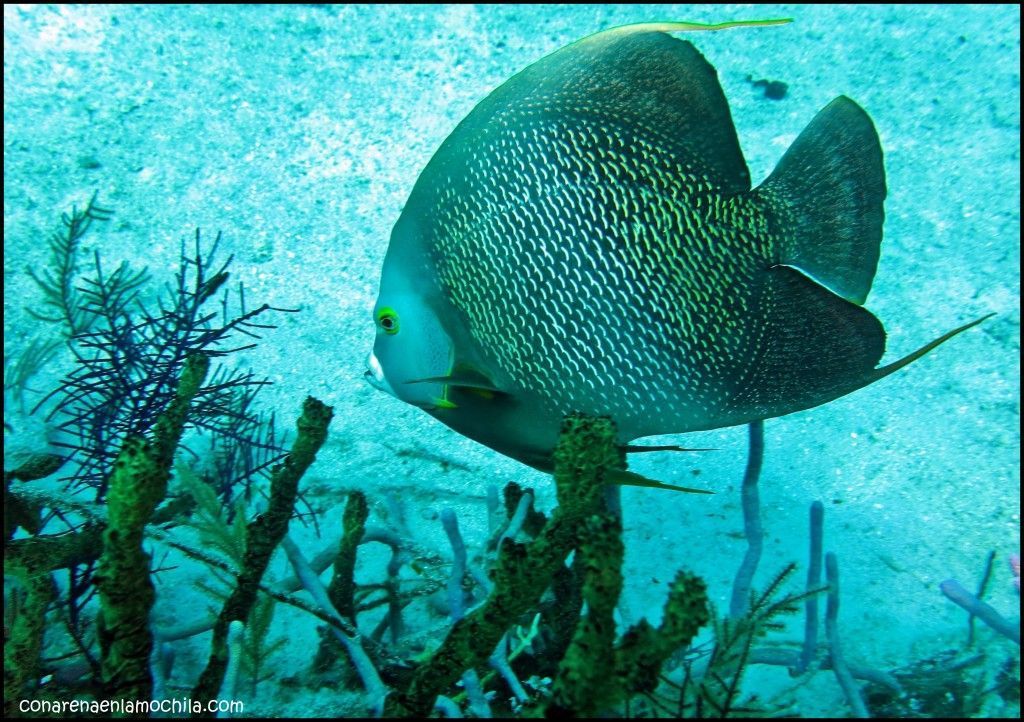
{"x": 137, "y": 485}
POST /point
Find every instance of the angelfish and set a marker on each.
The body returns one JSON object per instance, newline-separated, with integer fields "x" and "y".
{"x": 587, "y": 240}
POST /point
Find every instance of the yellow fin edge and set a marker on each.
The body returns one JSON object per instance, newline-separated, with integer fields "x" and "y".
{"x": 686, "y": 27}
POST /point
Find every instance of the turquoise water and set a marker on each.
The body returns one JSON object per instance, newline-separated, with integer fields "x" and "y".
{"x": 298, "y": 132}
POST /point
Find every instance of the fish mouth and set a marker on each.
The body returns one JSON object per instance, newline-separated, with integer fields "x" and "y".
{"x": 374, "y": 375}
{"x": 369, "y": 378}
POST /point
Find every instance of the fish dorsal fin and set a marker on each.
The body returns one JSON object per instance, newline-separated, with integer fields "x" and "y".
{"x": 636, "y": 74}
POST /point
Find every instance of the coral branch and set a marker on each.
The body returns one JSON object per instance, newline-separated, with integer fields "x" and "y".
{"x": 582, "y": 687}
{"x": 342, "y": 587}
{"x": 740, "y": 599}
{"x": 137, "y": 485}
{"x": 352, "y": 640}
{"x": 263, "y": 535}
{"x": 813, "y": 582}
{"x": 585, "y": 451}
{"x": 842, "y": 672}
{"x": 974, "y": 606}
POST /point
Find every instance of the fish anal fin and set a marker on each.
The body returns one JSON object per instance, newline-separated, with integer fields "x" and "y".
{"x": 814, "y": 346}
{"x": 884, "y": 371}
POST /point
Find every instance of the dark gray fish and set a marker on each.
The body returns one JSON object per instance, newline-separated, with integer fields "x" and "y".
{"x": 587, "y": 240}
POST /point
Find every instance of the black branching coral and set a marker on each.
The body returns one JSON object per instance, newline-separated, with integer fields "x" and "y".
{"x": 62, "y": 302}
{"x": 129, "y": 355}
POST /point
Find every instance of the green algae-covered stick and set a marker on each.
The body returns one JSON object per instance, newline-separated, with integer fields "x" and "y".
{"x": 585, "y": 676}
{"x": 586, "y": 452}
{"x": 137, "y": 484}
{"x": 263, "y": 534}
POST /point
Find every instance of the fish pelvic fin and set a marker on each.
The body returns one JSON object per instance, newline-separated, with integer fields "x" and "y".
{"x": 637, "y": 449}
{"x": 825, "y": 200}
{"x": 629, "y": 478}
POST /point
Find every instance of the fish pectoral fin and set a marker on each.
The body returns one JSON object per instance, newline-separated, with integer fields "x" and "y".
{"x": 629, "y": 478}
{"x": 637, "y": 449}
{"x": 474, "y": 383}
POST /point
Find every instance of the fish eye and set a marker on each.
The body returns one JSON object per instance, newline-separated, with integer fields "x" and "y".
{"x": 387, "y": 319}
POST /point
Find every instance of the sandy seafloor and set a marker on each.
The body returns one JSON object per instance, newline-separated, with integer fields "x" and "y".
{"x": 299, "y": 132}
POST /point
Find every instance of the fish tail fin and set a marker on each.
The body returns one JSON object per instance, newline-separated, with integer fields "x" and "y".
{"x": 827, "y": 193}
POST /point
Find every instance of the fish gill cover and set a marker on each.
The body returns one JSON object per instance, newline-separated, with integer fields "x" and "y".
{"x": 154, "y": 515}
